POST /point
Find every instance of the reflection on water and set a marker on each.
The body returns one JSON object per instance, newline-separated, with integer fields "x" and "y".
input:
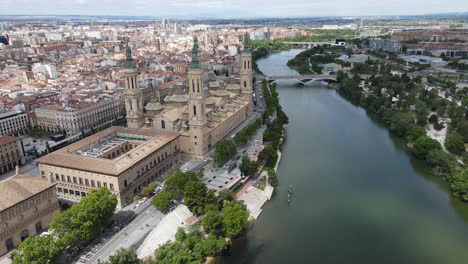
{"x": 358, "y": 196}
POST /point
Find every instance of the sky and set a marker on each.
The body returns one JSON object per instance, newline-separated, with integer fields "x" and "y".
{"x": 231, "y": 8}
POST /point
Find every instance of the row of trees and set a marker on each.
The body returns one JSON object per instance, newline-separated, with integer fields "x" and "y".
{"x": 70, "y": 228}
{"x": 242, "y": 137}
{"x": 274, "y": 131}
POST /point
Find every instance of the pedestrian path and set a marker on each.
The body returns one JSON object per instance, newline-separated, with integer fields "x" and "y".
{"x": 254, "y": 199}
{"x": 165, "y": 231}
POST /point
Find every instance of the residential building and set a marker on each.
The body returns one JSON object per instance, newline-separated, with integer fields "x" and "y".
{"x": 384, "y": 45}
{"x": 79, "y": 117}
{"x": 11, "y": 153}
{"x": 27, "y": 205}
{"x": 121, "y": 159}
{"x": 14, "y": 123}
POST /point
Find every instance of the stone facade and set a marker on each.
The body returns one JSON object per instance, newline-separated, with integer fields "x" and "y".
{"x": 11, "y": 153}
{"x": 203, "y": 111}
{"x": 123, "y": 160}
{"x": 81, "y": 117}
{"x": 27, "y": 205}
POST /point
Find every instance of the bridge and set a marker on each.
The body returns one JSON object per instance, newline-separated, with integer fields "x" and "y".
{"x": 304, "y": 79}
{"x": 305, "y": 44}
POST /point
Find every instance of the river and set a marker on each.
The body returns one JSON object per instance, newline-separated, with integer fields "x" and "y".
{"x": 359, "y": 197}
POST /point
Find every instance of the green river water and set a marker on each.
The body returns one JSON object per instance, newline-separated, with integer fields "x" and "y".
{"x": 359, "y": 197}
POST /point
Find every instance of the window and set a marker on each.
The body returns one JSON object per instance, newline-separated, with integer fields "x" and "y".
{"x": 111, "y": 186}
{"x": 105, "y": 184}
{"x": 163, "y": 124}
{"x": 65, "y": 191}
{"x": 86, "y": 182}
{"x": 99, "y": 184}
{"x": 57, "y": 177}
{"x": 42, "y": 173}
{"x": 125, "y": 183}
{"x": 68, "y": 179}
{"x": 74, "y": 179}
{"x": 63, "y": 177}
{"x": 81, "y": 180}
{"x": 59, "y": 190}
{"x": 92, "y": 183}
{"x": 83, "y": 194}
{"x": 195, "y": 110}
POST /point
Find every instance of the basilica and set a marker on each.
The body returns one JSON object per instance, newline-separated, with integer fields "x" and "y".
{"x": 202, "y": 112}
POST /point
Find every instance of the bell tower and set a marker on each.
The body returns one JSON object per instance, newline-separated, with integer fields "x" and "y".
{"x": 132, "y": 94}
{"x": 246, "y": 74}
{"x": 197, "y": 108}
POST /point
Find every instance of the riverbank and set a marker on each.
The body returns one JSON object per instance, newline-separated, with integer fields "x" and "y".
{"x": 356, "y": 189}
{"x": 430, "y": 123}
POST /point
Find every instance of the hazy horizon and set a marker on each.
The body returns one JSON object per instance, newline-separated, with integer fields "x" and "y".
{"x": 229, "y": 8}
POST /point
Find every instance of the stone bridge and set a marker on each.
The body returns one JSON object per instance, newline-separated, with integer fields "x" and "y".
{"x": 304, "y": 79}
{"x": 305, "y": 44}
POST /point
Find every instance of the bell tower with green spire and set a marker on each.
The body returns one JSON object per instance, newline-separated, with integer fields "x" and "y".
{"x": 197, "y": 108}
{"x": 246, "y": 74}
{"x": 132, "y": 93}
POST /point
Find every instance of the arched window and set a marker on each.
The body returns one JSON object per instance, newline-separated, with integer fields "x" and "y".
{"x": 39, "y": 228}
{"x": 163, "y": 124}
{"x": 9, "y": 244}
{"x": 24, "y": 234}
{"x": 194, "y": 110}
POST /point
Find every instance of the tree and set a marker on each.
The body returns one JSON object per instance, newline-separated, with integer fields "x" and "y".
{"x": 245, "y": 165}
{"x": 162, "y": 200}
{"x": 177, "y": 181}
{"x": 212, "y": 222}
{"x": 421, "y": 113}
{"x": 149, "y": 188}
{"x": 454, "y": 143}
{"x": 124, "y": 256}
{"x": 441, "y": 161}
{"x": 433, "y": 119}
{"x": 400, "y": 123}
{"x": 226, "y": 194}
{"x": 415, "y": 132}
{"x": 269, "y": 155}
{"x": 210, "y": 246}
{"x": 423, "y": 145}
{"x": 463, "y": 130}
{"x": 197, "y": 196}
{"x": 84, "y": 220}
{"x": 234, "y": 219}
{"x": 459, "y": 184}
{"x": 41, "y": 249}
{"x": 224, "y": 150}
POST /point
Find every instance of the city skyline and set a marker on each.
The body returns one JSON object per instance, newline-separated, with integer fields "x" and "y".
{"x": 230, "y": 9}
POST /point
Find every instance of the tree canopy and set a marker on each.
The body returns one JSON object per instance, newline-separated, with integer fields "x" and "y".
{"x": 423, "y": 145}
{"x": 84, "y": 220}
{"x": 43, "y": 249}
{"x": 162, "y": 200}
{"x": 197, "y": 196}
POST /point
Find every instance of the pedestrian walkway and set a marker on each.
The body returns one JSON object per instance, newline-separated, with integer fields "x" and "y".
{"x": 165, "y": 231}
{"x": 254, "y": 199}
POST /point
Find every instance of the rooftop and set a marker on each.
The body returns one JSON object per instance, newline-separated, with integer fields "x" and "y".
{"x": 85, "y": 154}
{"x": 21, "y": 187}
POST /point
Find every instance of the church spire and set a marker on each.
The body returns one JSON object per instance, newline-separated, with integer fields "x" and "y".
{"x": 129, "y": 62}
{"x": 246, "y": 43}
{"x": 195, "y": 59}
